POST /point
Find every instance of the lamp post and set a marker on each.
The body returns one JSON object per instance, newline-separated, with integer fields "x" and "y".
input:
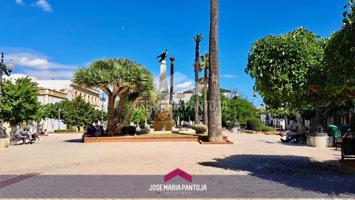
{"x": 235, "y": 96}
{"x": 59, "y": 118}
{"x": 102, "y": 108}
{"x": 7, "y": 69}
{"x": 172, "y": 65}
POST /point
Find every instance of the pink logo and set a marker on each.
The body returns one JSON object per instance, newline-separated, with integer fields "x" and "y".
{"x": 177, "y": 172}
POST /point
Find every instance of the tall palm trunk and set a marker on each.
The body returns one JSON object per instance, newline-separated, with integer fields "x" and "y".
{"x": 214, "y": 105}
{"x": 198, "y": 39}
{"x": 205, "y": 100}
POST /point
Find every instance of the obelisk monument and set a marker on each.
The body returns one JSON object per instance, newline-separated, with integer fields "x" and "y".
{"x": 163, "y": 118}
{"x": 163, "y": 83}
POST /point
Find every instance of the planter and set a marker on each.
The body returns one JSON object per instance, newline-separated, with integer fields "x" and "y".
{"x": 141, "y": 139}
{"x": 4, "y": 142}
{"x": 318, "y": 141}
{"x": 204, "y": 140}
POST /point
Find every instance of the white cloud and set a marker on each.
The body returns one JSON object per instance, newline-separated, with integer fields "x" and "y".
{"x": 181, "y": 82}
{"x": 50, "y": 74}
{"x": 184, "y": 86}
{"x": 229, "y": 76}
{"x": 35, "y": 64}
{"x": 34, "y": 61}
{"x": 44, "y": 5}
{"x": 20, "y": 2}
{"x": 43, "y": 75}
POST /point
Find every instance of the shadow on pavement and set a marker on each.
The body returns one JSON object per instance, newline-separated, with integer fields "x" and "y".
{"x": 74, "y": 141}
{"x": 288, "y": 143}
{"x": 293, "y": 171}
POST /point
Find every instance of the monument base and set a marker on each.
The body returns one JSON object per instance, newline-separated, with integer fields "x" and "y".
{"x": 163, "y": 125}
{"x": 163, "y": 122}
{"x": 163, "y": 119}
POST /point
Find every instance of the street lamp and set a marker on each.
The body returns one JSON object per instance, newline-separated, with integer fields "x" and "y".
{"x": 235, "y": 95}
{"x": 7, "y": 69}
{"x": 102, "y": 108}
{"x": 59, "y": 118}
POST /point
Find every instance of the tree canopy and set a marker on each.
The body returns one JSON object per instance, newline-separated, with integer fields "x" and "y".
{"x": 237, "y": 110}
{"x": 122, "y": 80}
{"x": 19, "y": 101}
{"x": 340, "y": 59}
{"x": 282, "y": 65}
{"x": 74, "y": 112}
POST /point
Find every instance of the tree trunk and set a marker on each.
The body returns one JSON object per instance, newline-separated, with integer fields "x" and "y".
{"x": 205, "y": 106}
{"x": 197, "y": 64}
{"x": 301, "y": 127}
{"x": 317, "y": 127}
{"x": 214, "y": 105}
{"x": 111, "y": 125}
{"x": 120, "y": 107}
{"x": 128, "y": 114}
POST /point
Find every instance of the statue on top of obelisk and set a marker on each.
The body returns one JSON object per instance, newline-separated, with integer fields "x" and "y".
{"x": 163, "y": 82}
{"x": 163, "y": 55}
{"x": 163, "y": 118}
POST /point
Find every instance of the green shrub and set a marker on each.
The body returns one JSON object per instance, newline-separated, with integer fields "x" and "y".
{"x": 199, "y": 128}
{"x": 254, "y": 124}
{"x": 65, "y": 131}
{"x": 267, "y": 129}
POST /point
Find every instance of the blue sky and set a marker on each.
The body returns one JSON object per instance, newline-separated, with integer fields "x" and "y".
{"x": 50, "y": 38}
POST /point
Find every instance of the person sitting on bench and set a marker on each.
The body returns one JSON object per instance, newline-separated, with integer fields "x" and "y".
{"x": 21, "y": 134}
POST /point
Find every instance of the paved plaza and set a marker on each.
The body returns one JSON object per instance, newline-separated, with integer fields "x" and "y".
{"x": 265, "y": 167}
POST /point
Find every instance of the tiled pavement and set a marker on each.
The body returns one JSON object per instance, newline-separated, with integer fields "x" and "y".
{"x": 257, "y": 166}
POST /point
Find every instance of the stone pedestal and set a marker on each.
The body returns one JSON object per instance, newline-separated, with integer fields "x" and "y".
{"x": 163, "y": 120}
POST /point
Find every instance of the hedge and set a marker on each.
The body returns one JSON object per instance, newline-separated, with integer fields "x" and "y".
{"x": 267, "y": 129}
{"x": 254, "y": 124}
{"x": 199, "y": 128}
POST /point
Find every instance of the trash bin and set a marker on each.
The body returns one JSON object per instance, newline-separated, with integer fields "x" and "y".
{"x": 333, "y": 130}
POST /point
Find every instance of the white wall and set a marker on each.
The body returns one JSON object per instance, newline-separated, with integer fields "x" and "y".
{"x": 52, "y": 124}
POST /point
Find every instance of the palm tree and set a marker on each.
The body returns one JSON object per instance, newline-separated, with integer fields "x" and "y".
{"x": 198, "y": 38}
{"x": 214, "y": 105}
{"x": 204, "y": 66}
